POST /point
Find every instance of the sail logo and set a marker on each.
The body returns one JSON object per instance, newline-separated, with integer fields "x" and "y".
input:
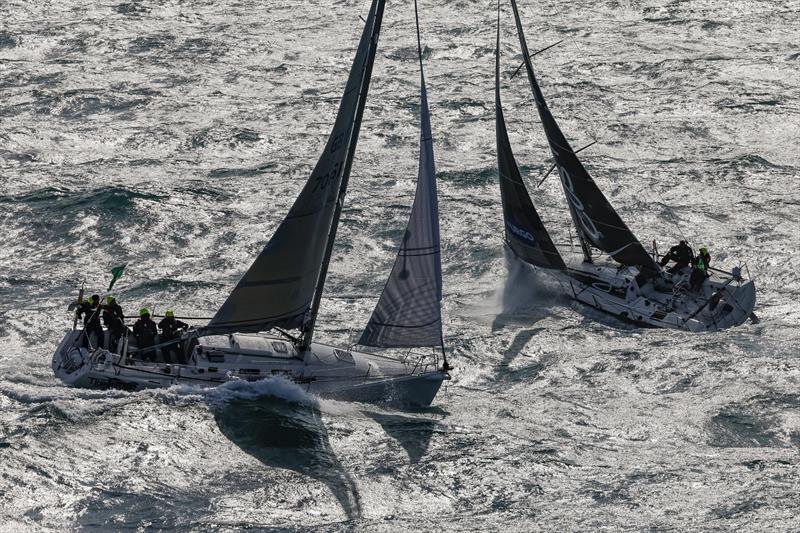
{"x": 577, "y": 206}
{"x": 521, "y": 233}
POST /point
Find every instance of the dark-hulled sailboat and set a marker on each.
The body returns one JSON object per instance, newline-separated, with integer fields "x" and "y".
{"x": 629, "y": 284}
{"x": 282, "y": 291}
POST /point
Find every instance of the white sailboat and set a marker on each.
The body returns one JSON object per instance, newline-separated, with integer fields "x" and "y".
{"x": 628, "y": 283}
{"x": 283, "y": 288}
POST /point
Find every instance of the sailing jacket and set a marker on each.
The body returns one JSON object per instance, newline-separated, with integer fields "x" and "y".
{"x": 91, "y": 314}
{"x": 681, "y": 254}
{"x": 702, "y": 262}
{"x": 169, "y": 327}
{"x": 113, "y": 317}
{"x": 145, "y": 331}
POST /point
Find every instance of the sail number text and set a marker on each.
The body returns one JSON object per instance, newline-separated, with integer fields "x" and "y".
{"x": 321, "y": 181}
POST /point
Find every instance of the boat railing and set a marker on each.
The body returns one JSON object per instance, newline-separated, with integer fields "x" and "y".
{"x": 422, "y": 361}
{"x": 735, "y": 274}
{"x": 420, "y": 366}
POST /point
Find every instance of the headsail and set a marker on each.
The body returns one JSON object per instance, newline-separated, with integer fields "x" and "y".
{"x": 408, "y": 313}
{"x": 278, "y": 289}
{"x": 595, "y": 219}
{"x": 525, "y": 233}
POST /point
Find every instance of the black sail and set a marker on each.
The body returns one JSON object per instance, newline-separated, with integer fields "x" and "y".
{"x": 595, "y": 219}
{"x": 524, "y": 231}
{"x": 279, "y": 287}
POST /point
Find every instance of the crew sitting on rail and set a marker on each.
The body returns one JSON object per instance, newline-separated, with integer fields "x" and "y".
{"x": 114, "y": 320}
{"x": 144, "y": 331}
{"x": 700, "y": 271}
{"x": 681, "y": 253}
{"x": 170, "y": 331}
{"x": 90, "y": 309}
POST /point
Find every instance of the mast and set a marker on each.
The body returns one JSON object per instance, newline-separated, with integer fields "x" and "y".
{"x": 308, "y": 327}
{"x": 597, "y": 222}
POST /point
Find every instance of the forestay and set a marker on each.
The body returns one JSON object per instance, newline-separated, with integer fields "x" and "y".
{"x": 524, "y": 231}
{"x": 408, "y": 313}
{"x": 278, "y": 288}
{"x": 595, "y": 219}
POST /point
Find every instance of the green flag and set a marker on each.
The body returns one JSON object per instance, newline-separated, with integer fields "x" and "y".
{"x": 116, "y": 273}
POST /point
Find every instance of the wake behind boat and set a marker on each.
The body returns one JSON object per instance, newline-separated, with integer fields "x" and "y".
{"x": 282, "y": 291}
{"x": 629, "y": 283}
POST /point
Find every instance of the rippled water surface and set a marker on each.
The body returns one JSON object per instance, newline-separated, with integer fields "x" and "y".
{"x": 175, "y": 135}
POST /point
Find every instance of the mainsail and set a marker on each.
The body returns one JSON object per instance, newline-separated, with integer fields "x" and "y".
{"x": 408, "y": 313}
{"x": 595, "y": 219}
{"x": 525, "y": 233}
{"x": 279, "y": 287}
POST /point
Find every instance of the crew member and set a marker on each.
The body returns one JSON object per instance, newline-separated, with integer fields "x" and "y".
{"x": 681, "y": 253}
{"x": 144, "y": 331}
{"x": 90, "y": 309}
{"x": 700, "y": 271}
{"x": 114, "y": 320}
{"x": 170, "y": 330}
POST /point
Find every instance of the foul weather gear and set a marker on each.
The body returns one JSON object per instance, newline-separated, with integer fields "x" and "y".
{"x": 90, "y": 310}
{"x": 114, "y": 320}
{"x": 681, "y": 253}
{"x": 171, "y": 330}
{"x": 700, "y": 271}
{"x": 144, "y": 331}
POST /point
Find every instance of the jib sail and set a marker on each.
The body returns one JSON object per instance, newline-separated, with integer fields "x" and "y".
{"x": 524, "y": 231}
{"x": 408, "y": 313}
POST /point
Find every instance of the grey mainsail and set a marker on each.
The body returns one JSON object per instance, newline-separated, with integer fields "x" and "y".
{"x": 524, "y": 231}
{"x": 597, "y": 222}
{"x": 408, "y": 313}
{"x": 279, "y": 287}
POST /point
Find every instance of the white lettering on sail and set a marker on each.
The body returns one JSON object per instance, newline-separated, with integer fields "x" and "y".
{"x": 577, "y": 206}
{"x": 521, "y": 233}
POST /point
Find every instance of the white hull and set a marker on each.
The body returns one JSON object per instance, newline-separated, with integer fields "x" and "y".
{"x": 721, "y": 302}
{"x": 323, "y": 370}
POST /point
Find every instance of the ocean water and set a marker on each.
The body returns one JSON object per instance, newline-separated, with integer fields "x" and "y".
{"x": 174, "y": 136}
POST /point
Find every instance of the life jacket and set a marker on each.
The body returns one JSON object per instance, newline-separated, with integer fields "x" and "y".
{"x": 702, "y": 262}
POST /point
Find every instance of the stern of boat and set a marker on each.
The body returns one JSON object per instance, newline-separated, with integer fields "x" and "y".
{"x": 737, "y": 304}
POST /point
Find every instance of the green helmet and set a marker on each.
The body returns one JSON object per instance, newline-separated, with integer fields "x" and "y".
{"x": 170, "y": 313}
{"x": 110, "y": 298}
{"x": 703, "y": 249}
{"x": 144, "y": 311}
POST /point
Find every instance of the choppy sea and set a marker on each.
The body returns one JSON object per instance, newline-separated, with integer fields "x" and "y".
{"x": 174, "y": 135}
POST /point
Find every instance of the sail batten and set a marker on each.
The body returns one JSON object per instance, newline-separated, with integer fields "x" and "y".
{"x": 278, "y": 289}
{"x": 408, "y": 312}
{"x": 596, "y": 221}
{"x": 525, "y": 232}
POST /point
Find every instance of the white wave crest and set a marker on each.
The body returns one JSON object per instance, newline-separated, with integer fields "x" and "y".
{"x": 236, "y": 389}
